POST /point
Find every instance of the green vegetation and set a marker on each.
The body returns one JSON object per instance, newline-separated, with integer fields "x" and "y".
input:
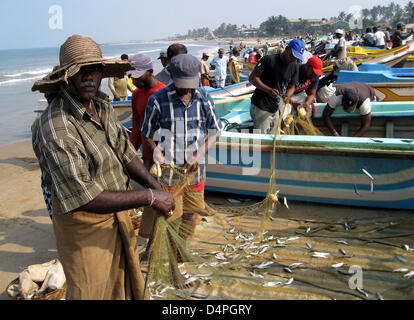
{"x": 278, "y": 25}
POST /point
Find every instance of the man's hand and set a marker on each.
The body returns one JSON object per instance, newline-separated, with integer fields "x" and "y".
{"x": 273, "y": 93}
{"x": 158, "y": 156}
{"x": 191, "y": 166}
{"x": 163, "y": 202}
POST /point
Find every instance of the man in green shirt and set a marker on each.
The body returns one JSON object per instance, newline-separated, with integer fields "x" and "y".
{"x": 87, "y": 161}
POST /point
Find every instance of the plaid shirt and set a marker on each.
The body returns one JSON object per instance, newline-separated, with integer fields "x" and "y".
{"x": 79, "y": 157}
{"x": 180, "y": 130}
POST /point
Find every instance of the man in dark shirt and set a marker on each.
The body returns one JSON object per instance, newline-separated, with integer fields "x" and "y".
{"x": 399, "y": 35}
{"x": 353, "y": 95}
{"x": 275, "y": 78}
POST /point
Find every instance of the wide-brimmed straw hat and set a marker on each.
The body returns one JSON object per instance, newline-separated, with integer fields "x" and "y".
{"x": 76, "y": 52}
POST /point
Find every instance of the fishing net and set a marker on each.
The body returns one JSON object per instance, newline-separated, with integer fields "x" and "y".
{"x": 266, "y": 250}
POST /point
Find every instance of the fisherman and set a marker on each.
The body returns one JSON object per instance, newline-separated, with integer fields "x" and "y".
{"x": 256, "y": 57}
{"x": 339, "y": 51}
{"x": 147, "y": 85}
{"x": 120, "y": 86}
{"x": 369, "y": 39}
{"x": 220, "y": 68}
{"x": 387, "y": 33}
{"x": 353, "y": 95}
{"x": 234, "y": 66}
{"x": 180, "y": 124}
{"x": 205, "y": 70}
{"x": 164, "y": 58}
{"x": 400, "y": 34}
{"x": 379, "y": 37}
{"x": 305, "y": 91}
{"x": 275, "y": 78}
{"x": 164, "y": 75}
{"x": 87, "y": 161}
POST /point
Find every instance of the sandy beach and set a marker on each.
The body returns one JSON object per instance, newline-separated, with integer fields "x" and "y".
{"x": 26, "y": 232}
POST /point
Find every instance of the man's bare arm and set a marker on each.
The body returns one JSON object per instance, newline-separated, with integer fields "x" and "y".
{"x": 327, "y": 112}
{"x": 365, "y": 124}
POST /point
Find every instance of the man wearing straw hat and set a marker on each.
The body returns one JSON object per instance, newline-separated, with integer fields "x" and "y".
{"x": 87, "y": 161}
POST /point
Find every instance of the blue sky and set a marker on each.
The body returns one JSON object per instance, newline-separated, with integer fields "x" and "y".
{"x": 25, "y": 23}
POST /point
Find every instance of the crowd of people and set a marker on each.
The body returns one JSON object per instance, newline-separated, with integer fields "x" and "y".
{"x": 88, "y": 160}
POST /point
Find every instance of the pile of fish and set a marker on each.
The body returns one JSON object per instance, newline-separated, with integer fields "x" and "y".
{"x": 38, "y": 280}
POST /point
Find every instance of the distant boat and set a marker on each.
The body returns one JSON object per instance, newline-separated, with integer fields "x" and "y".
{"x": 387, "y": 57}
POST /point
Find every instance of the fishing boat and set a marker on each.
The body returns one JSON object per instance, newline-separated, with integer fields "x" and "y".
{"x": 390, "y": 84}
{"x": 233, "y": 90}
{"x": 374, "y": 171}
{"x": 387, "y": 57}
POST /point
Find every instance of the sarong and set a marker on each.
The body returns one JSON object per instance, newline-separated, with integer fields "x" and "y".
{"x": 99, "y": 255}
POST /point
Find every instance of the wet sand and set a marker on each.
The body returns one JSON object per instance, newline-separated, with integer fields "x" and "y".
{"x": 26, "y": 232}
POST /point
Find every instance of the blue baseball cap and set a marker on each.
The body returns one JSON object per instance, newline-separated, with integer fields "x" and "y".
{"x": 298, "y": 48}
{"x": 400, "y": 24}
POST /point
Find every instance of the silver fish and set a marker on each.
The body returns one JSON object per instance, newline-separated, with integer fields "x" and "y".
{"x": 338, "y": 265}
{"x": 380, "y": 297}
{"x": 377, "y": 140}
{"x": 263, "y": 265}
{"x": 290, "y": 281}
{"x": 322, "y": 253}
{"x": 392, "y": 223}
{"x": 343, "y": 242}
{"x": 406, "y": 247}
{"x": 401, "y": 259}
{"x": 319, "y": 256}
{"x": 292, "y": 239}
{"x": 309, "y": 245}
{"x": 372, "y": 186}
{"x": 272, "y": 284}
{"x": 342, "y": 251}
{"x": 264, "y": 250}
{"x": 295, "y": 265}
{"x": 409, "y": 275}
{"x": 274, "y": 256}
{"x": 236, "y": 256}
{"x": 256, "y": 275}
{"x": 287, "y": 270}
{"x": 198, "y": 295}
{"x": 368, "y": 174}
{"x": 190, "y": 280}
{"x": 308, "y": 229}
{"x": 362, "y": 292}
{"x": 403, "y": 270}
{"x": 285, "y": 202}
{"x": 233, "y": 230}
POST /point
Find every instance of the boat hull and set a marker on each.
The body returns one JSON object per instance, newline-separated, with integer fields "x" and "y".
{"x": 316, "y": 169}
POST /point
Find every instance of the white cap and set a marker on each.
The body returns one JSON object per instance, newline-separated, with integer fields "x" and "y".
{"x": 339, "y": 31}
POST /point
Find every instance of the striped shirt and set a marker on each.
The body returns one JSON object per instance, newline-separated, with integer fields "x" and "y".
{"x": 80, "y": 158}
{"x": 180, "y": 130}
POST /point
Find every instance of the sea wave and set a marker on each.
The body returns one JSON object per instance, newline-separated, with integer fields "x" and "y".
{"x": 132, "y": 53}
{"x": 13, "y": 81}
{"x": 31, "y": 72}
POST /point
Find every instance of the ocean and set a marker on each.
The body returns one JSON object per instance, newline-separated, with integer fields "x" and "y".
{"x": 20, "y": 68}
